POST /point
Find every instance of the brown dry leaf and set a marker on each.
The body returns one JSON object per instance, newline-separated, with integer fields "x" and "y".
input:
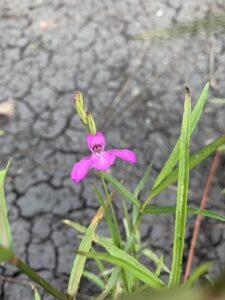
{"x": 7, "y": 108}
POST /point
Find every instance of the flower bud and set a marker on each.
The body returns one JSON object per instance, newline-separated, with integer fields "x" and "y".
{"x": 91, "y": 124}
{"x": 79, "y": 106}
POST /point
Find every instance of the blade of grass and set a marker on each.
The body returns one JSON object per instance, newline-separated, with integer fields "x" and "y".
{"x": 36, "y": 294}
{"x": 182, "y": 195}
{"x": 138, "y": 189}
{"x": 94, "y": 278}
{"x": 151, "y": 255}
{"x": 159, "y": 266}
{"x": 143, "y": 181}
{"x": 195, "y": 160}
{"x": 158, "y": 210}
{"x": 195, "y": 116}
{"x": 5, "y": 231}
{"x": 127, "y": 195}
{"x": 199, "y": 271}
{"x": 131, "y": 265}
{"x": 112, "y": 249}
{"x": 79, "y": 262}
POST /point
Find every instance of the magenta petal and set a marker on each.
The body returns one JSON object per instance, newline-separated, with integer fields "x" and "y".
{"x": 96, "y": 139}
{"x": 124, "y": 154}
{"x": 102, "y": 161}
{"x": 80, "y": 169}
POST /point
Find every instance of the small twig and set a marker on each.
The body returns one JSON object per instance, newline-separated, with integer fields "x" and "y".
{"x": 211, "y": 174}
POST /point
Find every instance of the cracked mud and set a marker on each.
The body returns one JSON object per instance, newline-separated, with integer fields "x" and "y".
{"x": 134, "y": 88}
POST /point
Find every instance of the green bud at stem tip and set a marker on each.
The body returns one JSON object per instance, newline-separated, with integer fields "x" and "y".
{"x": 79, "y": 106}
{"x": 91, "y": 124}
{"x": 79, "y": 99}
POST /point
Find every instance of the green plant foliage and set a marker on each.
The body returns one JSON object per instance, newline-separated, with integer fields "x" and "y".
{"x": 5, "y": 231}
{"x": 182, "y": 195}
{"x": 195, "y": 116}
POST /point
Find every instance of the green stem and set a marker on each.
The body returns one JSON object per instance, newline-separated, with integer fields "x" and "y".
{"x": 111, "y": 208}
{"x": 23, "y": 267}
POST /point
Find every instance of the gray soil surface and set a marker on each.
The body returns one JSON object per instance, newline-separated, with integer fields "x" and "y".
{"x": 49, "y": 49}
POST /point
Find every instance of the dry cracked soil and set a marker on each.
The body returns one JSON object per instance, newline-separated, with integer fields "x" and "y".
{"x": 49, "y": 49}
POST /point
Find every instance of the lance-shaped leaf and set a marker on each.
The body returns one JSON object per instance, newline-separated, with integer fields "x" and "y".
{"x": 182, "y": 195}
{"x": 121, "y": 189}
{"x": 160, "y": 210}
{"x": 195, "y": 116}
{"x": 129, "y": 264}
{"x": 5, "y": 232}
{"x": 195, "y": 159}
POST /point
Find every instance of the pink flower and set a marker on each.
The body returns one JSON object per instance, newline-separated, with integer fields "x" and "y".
{"x": 99, "y": 159}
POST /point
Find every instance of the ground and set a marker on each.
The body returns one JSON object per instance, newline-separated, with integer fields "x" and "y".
{"x": 135, "y": 90}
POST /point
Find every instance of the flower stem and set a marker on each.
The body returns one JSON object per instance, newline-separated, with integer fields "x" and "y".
{"x": 23, "y": 267}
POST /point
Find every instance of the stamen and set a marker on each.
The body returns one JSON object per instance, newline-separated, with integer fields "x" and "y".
{"x": 97, "y": 148}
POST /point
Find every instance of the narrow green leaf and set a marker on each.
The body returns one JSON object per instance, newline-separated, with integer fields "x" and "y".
{"x": 5, "y": 231}
{"x": 131, "y": 265}
{"x": 151, "y": 255}
{"x": 195, "y": 160}
{"x": 80, "y": 260}
{"x": 121, "y": 189}
{"x": 158, "y": 210}
{"x": 199, "y": 271}
{"x": 36, "y": 294}
{"x": 115, "y": 251}
{"x": 94, "y": 278}
{"x": 182, "y": 195}
{"x": 159, "y": 266}
{"x": 195, "y": 116}
{"x": 138, "y": 189}
{"x": 143, "y": 181}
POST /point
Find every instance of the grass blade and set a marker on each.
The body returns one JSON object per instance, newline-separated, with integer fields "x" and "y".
{"x": 182, "y": 195}
{"x": 152, "y": 256}
{"x": 121, "y": 189}
{"x": 199, "y": 271}
{"x": 114, "y": 251}
{"x": 80, "y": 260}
{"x": 5, "y": 231}
{"x": 131, "y": 265}
{"x": 143, "y": 181}
{"x": 158, "y": 210}
{"x": 140, "y": 186}
{"x": 95, "y": 279}
{"x": 36, "y": 294}
{"x": 195, "y": 116}
{"x": 194, "y": 160}
{"x": 159, "y": 266}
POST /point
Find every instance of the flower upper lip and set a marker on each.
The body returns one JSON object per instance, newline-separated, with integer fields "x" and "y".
{"x": 99, "y": 159}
